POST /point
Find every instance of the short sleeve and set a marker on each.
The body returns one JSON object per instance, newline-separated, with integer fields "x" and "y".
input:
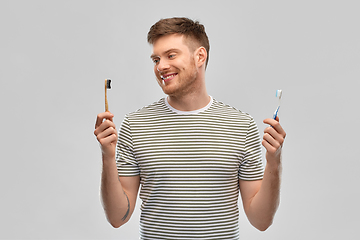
{"x": 125, "y": 158}
{"x": 251, "y": 168}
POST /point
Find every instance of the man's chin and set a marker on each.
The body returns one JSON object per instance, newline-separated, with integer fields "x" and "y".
{"x": 168, "y": 90}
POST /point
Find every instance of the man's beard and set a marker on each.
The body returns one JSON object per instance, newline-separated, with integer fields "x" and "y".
{"x": 185, "y": 82}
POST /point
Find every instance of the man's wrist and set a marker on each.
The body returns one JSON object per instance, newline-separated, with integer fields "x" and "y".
{"x": 108, "y": 158}
{"x": 274, "y": 166}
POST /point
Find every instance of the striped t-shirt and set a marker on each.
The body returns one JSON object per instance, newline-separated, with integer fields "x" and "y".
{"x": 190, "y": 164}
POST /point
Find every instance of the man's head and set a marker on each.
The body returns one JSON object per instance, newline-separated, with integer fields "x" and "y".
{"x": 193, "y": 32}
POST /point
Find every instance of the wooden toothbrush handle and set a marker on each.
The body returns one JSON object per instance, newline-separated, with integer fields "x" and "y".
{"x": 106, "y": 101}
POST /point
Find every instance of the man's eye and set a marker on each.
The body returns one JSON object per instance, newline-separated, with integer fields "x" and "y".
{"x": 172, "y": 55}
{"x": 156, "y": 60}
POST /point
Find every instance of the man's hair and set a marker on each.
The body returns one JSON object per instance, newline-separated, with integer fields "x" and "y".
{"x": 192, "y": 30}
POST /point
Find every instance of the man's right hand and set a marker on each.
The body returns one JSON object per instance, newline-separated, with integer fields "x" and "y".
{"x": 106, "y": 134}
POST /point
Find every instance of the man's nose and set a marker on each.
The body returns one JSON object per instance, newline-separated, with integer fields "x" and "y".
{"x": 163, "y": 65}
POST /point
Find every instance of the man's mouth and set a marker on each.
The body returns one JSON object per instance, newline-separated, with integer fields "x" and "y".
{"x": 168, "y": 77}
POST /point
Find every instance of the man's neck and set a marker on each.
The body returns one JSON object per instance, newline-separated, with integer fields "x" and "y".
{"x": 190, "y": 102}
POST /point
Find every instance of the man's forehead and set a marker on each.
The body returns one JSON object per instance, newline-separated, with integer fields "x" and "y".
{"x": 168, "y": 43}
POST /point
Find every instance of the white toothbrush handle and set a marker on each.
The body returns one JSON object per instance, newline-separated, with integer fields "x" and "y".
{"x": 276, "y": 112}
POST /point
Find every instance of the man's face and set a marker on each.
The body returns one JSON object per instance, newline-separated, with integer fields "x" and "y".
{"x": 174, "y": 65}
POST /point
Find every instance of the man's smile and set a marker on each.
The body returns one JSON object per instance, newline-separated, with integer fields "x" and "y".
{"x": 168, "y": 77}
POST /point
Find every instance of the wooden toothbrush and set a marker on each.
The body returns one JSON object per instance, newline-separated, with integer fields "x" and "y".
{"x": 107, "y": 86}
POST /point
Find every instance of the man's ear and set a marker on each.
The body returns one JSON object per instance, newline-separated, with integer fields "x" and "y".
{"x": 200, "y": 56}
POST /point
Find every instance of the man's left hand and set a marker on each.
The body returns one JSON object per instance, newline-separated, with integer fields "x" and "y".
{"x": 273, "y": 139}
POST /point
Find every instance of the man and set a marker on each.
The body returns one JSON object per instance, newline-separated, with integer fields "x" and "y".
{"x": 191, "y": 154}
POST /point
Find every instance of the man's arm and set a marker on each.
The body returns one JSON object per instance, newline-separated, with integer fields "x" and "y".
{"x": 118, "y": 194}
{"x": 261, "y": 198}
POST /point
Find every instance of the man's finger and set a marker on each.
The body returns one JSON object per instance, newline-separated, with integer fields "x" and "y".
{"x": 101, "y": 116}
{"x": 106, "y": 133}
{"x": 276, "y": 125}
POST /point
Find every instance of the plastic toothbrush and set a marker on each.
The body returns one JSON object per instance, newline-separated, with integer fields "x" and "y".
{"x": 278, "y": 95}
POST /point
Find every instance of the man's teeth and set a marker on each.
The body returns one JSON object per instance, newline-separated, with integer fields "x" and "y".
{"x": 167, "y": 77}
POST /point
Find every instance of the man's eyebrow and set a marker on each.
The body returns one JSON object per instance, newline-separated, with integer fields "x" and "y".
{"x": 167, "y": 51}
{"x": 153, "y": 56}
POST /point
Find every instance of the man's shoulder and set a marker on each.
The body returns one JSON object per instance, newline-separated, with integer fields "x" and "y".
{"x": 228, "y": 110}
{"x": 151, "y": 109}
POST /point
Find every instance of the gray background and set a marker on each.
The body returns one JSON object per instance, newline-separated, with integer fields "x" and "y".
{"x": 55, "y": 55}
